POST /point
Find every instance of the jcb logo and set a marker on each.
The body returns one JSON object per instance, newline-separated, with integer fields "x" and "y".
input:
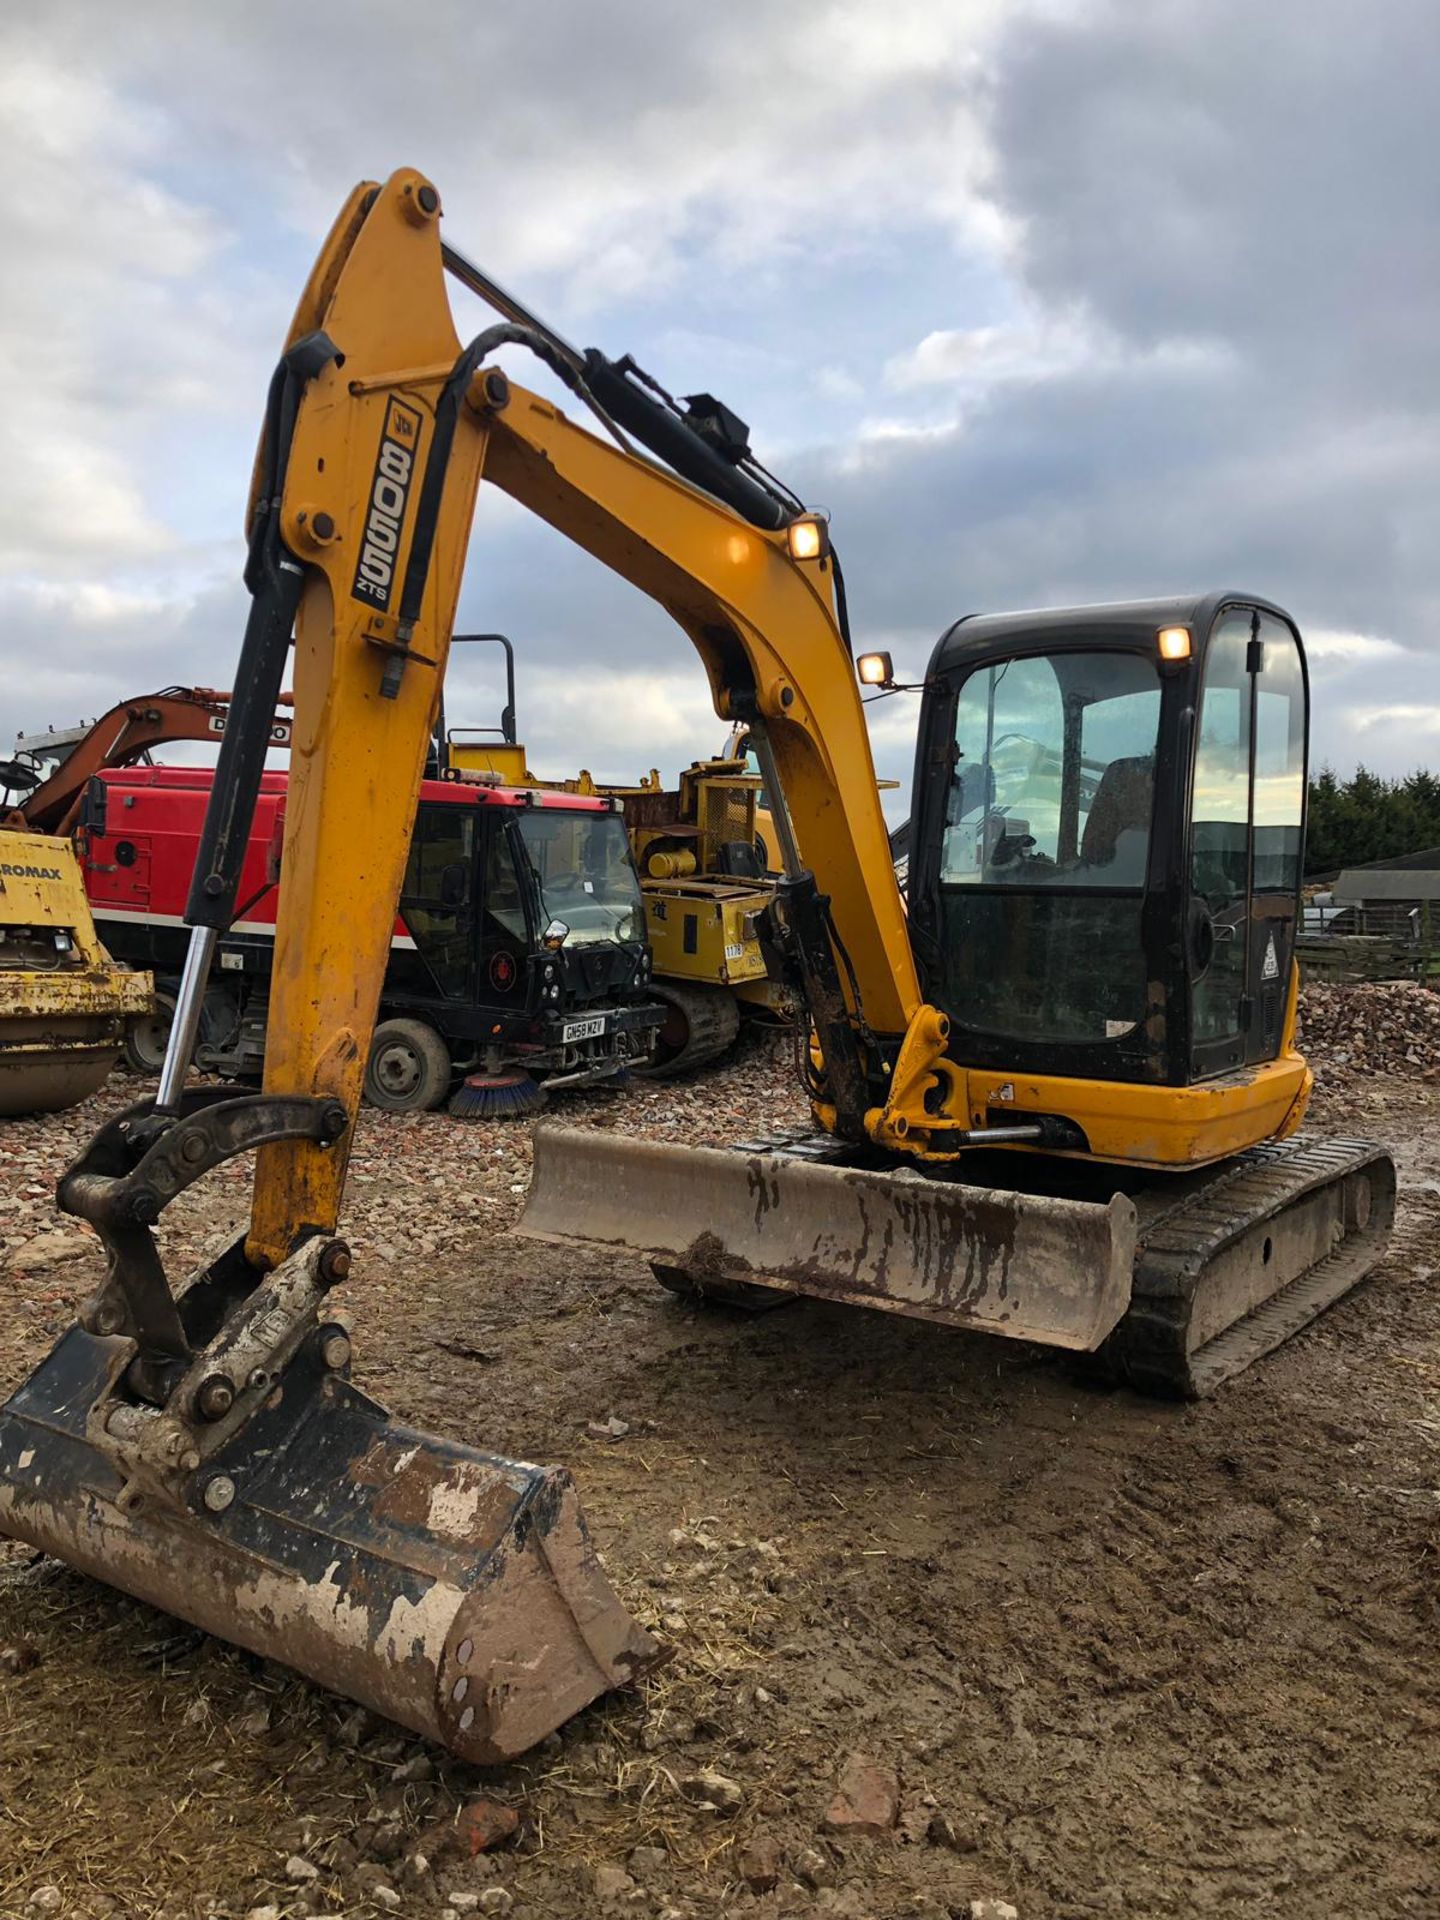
{"x": 279, "y": 729}
{"x": 389, "y": 497}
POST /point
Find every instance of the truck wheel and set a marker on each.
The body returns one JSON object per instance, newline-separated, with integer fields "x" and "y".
{"x": 148, "y": 1035}
{"x": 147, "y": 1039}
{"x": 409, "y": 1070}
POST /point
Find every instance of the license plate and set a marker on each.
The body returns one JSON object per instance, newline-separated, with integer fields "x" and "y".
{"x": 583, "y": 1029}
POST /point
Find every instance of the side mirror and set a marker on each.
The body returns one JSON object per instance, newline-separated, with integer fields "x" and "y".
{"x": 454, "y": 884}
{"x": 16, "y": 777}
{"x": 555, "y": 936}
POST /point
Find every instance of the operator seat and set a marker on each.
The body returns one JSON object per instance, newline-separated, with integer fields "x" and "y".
{"x": 1117, "y": 828}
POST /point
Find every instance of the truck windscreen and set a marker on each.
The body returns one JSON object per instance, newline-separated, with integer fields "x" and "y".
{"x": 586, "y": 876}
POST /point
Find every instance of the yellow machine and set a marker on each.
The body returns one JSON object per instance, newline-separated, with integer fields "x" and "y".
{"x": 1058, "y": 1102}
{"x": 708, "y": 899}
{"x": 64, "y": 1002}
{"x": 708, "y": 908}
{"x": 737, "y": 748}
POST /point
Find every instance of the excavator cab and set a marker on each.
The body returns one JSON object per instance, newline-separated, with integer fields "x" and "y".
{"x": 1105, "y": 859}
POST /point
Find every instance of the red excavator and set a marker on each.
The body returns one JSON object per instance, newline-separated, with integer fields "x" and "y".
{"x": 129, "y": 732}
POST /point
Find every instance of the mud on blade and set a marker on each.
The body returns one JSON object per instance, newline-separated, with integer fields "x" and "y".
{"x": 1056, "y": 1271}
{"x": 454, "y": 1591}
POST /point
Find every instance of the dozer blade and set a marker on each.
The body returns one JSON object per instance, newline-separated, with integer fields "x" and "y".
{"x": 453, "y": 1591}
{"x": 1029, "y": 1267}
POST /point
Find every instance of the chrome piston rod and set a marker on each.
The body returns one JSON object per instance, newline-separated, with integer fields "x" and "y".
{"x": 186, "y": 1024}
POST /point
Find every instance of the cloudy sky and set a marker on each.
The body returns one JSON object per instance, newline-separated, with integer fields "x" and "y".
{"x": 1045, "y": 300}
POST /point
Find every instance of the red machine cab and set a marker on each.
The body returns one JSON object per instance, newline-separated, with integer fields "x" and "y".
{"x": 520, "y": 940}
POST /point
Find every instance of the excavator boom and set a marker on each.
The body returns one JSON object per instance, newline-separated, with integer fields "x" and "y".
{"x": 131, "y": 729}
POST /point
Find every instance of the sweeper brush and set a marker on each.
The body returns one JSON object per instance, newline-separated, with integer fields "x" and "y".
{"x": 496, "y": 1096}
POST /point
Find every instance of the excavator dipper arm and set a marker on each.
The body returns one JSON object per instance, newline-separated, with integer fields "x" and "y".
{"x": 203, "y": 1447}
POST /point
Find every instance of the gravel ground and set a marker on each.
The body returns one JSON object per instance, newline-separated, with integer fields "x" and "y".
{"x": 1352, "y": 1033}
{"x": 950, "y": 1624}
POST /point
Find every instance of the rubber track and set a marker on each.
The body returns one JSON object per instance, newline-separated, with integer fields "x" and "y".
{"x": 1185, "y": 1224}
{"x": 712, "y": 1018}
{"x": 1179, "y": 1239}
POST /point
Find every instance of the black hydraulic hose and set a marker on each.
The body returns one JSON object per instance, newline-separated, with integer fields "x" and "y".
{"x": 447, "y": 413}
{"x": 266, "y": 493}
{"x": 842, "y": 605}
{"x": 659, "y": 427}
{"x": 275, "y": 579}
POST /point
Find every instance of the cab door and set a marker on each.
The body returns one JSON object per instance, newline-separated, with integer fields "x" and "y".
{"x": 505, "y": 939}
{"x": 1247, "y": 817}
{"x": 437, "y": 902}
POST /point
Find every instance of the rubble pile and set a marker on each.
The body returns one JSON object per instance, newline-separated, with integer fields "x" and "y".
{"x": 420, "y": 1184}
{"x": 1356, "y": 1031}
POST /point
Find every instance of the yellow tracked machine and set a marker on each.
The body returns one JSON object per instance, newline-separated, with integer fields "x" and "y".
{"x": 64, "y": 1002}
{"x": 1059, "y": 1102}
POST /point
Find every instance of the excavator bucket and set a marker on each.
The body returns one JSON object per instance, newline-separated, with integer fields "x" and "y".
{"x": 1056, "y": 1271}
{"x": 207, "y": 1452}
{"x": 453, "y": 1591}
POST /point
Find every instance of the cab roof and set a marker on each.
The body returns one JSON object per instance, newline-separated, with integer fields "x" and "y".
{"x": 1121, "y": 622}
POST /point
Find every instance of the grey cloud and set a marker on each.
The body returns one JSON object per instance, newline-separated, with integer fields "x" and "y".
{"x": 1258, "y": 180}
{"x": 603, "y": 146}
{"x": 1264, "y": 178}
{"x": 1264, "y": 173}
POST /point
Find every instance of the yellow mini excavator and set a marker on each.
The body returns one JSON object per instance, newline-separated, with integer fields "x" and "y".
{"x": 1059, "y": 1102}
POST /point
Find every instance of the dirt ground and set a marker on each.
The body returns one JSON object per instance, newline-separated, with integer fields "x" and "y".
{"x": 1121, "y": 1657}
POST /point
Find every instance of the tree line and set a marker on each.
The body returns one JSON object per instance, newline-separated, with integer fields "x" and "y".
{"x": 1367, "y": 818}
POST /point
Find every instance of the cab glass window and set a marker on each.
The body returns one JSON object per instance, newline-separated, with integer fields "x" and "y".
{"x": 1220, "y": 808}
{"x": 1046, "y": 845}
{"x": 435, "y": 900}
{"x": 504, "y": 899}
{"x": 1055, "y": 772}
{"x": 1279, "y": 760}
